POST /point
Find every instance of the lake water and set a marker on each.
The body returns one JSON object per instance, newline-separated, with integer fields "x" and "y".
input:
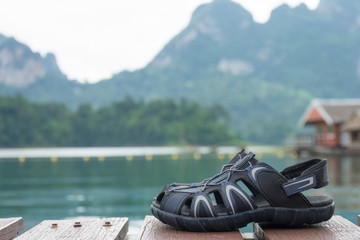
{"x": 39, "y": 189}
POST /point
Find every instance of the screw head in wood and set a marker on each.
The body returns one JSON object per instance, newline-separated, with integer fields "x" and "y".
{"x": 54, "y": 225}
{"x": 77, "y": 224}
{"x": 107, "y": 224}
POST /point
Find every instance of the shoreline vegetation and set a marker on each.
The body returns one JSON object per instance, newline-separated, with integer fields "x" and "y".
{"x": 124, "y": 123}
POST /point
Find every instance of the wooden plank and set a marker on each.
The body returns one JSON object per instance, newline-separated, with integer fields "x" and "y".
{"x": 154, "y": 229}
{"x": 79, "y": 229}
{"x": 248, "y": 236}
{"x": 10, "y": 227}
{"x": 131, "y": 237}
{"x": 336, "y": 228}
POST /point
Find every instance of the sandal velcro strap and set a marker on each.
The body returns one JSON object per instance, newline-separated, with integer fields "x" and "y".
{"x": 306, "y": 175}
{"x": 299, "y": 184}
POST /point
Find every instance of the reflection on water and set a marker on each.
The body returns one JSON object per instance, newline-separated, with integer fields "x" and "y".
{"x": 344, "y": 175}
{"x": 344, "y": 170}
{"x": 40, "y": 189}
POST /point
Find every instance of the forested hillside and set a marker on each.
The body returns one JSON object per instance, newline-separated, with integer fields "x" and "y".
{"x": 125, "y": 123}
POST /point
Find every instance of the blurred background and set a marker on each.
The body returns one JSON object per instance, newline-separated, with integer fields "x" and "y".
{"x": 103, "y": 103}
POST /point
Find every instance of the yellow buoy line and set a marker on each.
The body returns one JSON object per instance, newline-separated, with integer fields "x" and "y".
{"x": 174, "y": 156}
{"x": 278, "y": 152}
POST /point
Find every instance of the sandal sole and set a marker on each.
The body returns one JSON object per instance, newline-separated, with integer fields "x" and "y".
{"x": 291, "y": 217}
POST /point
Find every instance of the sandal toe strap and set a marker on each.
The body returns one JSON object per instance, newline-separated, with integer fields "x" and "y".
{"x": 236, "y": 199}
{"x": 202, "y": 206}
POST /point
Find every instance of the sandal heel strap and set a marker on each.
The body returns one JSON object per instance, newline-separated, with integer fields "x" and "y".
{"x": 299, "y": 184}
{"x": 314, "y": 176}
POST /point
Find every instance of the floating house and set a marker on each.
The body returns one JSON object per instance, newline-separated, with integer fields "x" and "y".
{"x": 330, "y": 125}
{"x": 351, "y": 129}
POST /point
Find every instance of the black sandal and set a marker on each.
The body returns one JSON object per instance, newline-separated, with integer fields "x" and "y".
{"x": 276, "y": 197}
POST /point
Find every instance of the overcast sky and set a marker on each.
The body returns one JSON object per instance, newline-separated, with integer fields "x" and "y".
{"x": 93, "y": 39}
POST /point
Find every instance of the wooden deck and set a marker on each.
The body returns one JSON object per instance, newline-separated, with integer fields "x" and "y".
{"x": 117, "y": 228}
{"x": 336, "y": 228}
{"x": 154, "y": 229}
{"x": 80, "y": 229}
{"x": 10, "y": 227}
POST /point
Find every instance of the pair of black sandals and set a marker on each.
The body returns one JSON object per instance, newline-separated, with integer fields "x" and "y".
{"x": 220, "y": 203}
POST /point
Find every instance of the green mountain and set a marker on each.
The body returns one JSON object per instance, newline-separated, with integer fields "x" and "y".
{"x": 264, "y": 74}
{"x": 25, "y": 72}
